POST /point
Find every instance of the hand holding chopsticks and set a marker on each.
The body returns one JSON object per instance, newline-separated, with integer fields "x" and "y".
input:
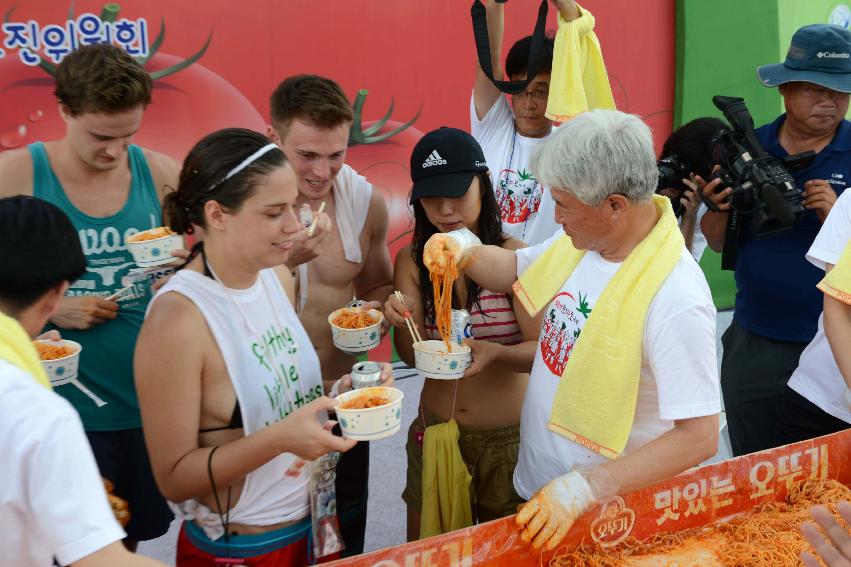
{"x": 409, "y": 321}
{"x": 312, "y": 228}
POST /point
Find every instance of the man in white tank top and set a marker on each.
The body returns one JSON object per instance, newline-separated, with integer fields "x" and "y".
{"x": 347, "y": 255}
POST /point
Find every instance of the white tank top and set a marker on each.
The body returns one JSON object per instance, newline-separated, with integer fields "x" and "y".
{"x": 269, "y": 496}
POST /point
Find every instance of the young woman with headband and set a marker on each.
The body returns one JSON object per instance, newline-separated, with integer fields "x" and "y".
{"x": 229, "y": 384}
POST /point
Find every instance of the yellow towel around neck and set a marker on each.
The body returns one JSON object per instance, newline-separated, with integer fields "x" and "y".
{"x": 837, "y": 282}
{"x": 595, "y": 401}
{"x": 16, "y": 347}
{"x": 579, "y": 81}
{"x": 446, "y": 482}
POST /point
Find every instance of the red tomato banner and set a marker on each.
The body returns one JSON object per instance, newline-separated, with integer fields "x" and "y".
{"x": 216, "y": 63}
{"x": 694, "y": 498}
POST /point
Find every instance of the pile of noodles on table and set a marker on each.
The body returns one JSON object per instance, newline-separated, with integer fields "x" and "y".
{"x": 770, "y": 536}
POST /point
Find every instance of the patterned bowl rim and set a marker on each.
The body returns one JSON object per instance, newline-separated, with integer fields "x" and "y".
{"x": 371, "y": 327}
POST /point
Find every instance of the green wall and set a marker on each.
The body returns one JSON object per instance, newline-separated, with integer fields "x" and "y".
{"x": 719, "y": 46}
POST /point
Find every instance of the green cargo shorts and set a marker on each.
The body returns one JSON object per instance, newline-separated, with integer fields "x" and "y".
{"x": 490, "y": 456}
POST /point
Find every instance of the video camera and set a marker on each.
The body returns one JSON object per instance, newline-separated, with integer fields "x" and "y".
{"x": 762, "y": 187}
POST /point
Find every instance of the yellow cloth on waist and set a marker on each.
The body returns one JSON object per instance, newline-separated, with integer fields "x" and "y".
{"x": 594, "y": 404}
{"x": 446, "y": 482}
{"x": 837, "y": 282}
{"x": 16, "y": 348}
{"x": 579, "y": 81}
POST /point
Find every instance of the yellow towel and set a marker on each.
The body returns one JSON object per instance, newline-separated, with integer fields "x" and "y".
{"x": 578, "y": 81}
{"x": 837, "y": 282}
{"x": 16, "y": 347}
{"x": 446, "y": 482}
{"x": 594, "y": 405}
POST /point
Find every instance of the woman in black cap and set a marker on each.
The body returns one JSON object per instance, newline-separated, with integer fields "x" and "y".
{"x": 452, "y": 190}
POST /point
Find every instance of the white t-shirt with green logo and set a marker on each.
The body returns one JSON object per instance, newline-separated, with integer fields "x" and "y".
{"x": 526, "y": 207}
{"x": 679, "y": 373}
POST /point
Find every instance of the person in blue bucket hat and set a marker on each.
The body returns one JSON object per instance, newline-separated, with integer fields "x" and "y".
{"x": 777, "y": 303}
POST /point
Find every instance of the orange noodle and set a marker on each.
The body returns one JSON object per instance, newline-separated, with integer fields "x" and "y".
{"x": 53, "y": 352}
{"x": 364, "y": 401}
{"x": 442, "y": 288}
{"x": 770, "y": 536}
{"x": 354, "y": 319}
{"x": 152, "y": 234}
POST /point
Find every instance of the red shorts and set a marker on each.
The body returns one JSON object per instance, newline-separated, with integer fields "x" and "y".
{"x": 293, "y": 555}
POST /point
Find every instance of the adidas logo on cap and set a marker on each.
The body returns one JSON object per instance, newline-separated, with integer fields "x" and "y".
{"x": 433, "y": 159}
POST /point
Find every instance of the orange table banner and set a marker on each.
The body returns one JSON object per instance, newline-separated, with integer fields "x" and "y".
{"x": 694, "y": 498}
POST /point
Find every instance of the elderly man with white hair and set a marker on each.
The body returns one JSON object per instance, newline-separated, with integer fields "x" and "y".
{"x": 624, "y": 388}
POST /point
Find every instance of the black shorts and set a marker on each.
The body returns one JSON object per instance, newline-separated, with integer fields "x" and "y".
{"x": 123, "y": 459}
{"x": 352, "y": 495}
{"x": 800, "y": 419}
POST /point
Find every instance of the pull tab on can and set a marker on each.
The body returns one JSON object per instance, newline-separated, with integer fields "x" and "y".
{"x": 366, "y": 374}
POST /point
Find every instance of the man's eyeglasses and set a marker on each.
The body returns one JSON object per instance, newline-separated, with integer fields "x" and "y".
{"x": 538, "y": 94}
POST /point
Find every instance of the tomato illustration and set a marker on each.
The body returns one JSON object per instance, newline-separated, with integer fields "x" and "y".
{"x": 561, "y": 329}
{"x": 189, "y": 101}
{"x": 381, "y": 151}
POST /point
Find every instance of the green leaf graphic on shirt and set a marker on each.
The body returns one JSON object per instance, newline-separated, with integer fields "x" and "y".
{"x": 583, "y": 305}
{"x": 526, "y": 175}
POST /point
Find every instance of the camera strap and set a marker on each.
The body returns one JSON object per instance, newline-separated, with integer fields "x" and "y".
{"x": 730, "y": 253}
{"x": 536, "y": 50}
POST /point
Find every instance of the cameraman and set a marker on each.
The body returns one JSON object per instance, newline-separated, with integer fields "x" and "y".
{"x": 688, "y": 152}
{"x": 777, "y": 302}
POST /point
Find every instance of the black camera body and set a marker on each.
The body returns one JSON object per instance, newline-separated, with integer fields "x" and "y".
{"x": 672, "y": 171}
{"x": 762, "y": 187}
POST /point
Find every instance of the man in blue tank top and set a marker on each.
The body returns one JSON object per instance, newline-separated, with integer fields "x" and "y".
{"x": 777, "y": 302}
{"x": 110, "y": 189}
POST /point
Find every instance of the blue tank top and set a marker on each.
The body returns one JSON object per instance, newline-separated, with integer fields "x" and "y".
{"x": 106, "y": 362}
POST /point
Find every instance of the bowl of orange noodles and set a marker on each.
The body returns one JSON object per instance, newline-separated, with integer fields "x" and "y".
{"x": 153, "y": 247}
{"x": 433, "y": 359}
{"x": 60, "y": 359}
{"x": 370, "y": 413}
{"x": 355, "y": 330}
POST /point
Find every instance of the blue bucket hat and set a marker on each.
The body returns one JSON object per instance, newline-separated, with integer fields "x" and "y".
{"x": 820, "y": 54}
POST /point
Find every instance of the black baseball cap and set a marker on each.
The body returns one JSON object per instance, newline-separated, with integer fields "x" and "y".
{"x": 444, "y": 163}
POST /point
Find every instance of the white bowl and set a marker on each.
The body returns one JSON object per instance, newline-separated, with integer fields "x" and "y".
{"x": 370, "y": 424}
{"x": 432, "y": 360}
{"x": 62, "y": 370}
{"x": 356, "y": 341}
{"x": 155, "y": 252}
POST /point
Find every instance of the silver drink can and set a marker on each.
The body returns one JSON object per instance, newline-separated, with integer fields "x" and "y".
{"x": 366, "y": 374}
{"x": 461, "y": 327}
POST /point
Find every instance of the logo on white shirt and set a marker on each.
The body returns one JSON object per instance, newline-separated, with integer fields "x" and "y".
{"x": 433, "y": 159}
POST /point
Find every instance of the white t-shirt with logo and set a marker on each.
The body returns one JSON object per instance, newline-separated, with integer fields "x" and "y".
{"x": 52, "y": 498}
{"x": 817, "y": 377}
{"x": 679, "y": 375}
{"x": 698, "y": 242}
{"x": 526, "y": 207}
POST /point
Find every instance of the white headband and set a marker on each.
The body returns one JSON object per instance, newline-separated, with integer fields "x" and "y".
{"x": 246, "y": 162}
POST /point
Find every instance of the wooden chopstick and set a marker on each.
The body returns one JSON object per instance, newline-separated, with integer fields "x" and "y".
{"x": 312, "y": 228}
{"x": 120, "y": 292}
{"x": 409, "y": 321}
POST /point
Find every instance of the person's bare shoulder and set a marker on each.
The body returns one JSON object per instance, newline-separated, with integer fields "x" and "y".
{"x": 377, "y": 216}
{"x": 16, "y": 173}
{"x": 164, "y": 170}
